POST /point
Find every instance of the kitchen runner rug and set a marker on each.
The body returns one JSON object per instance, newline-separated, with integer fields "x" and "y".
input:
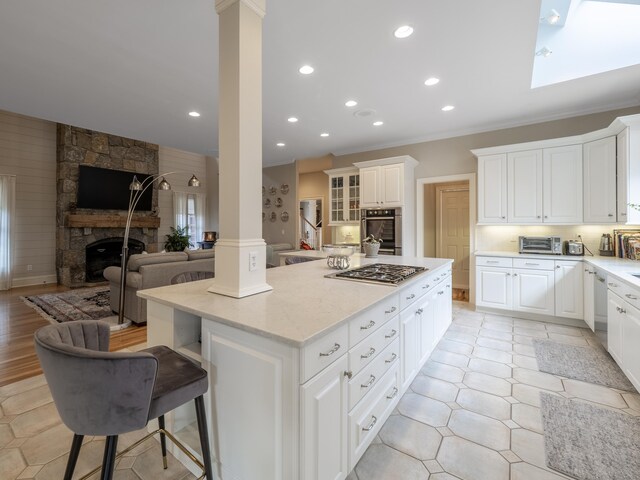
{"x": 591, "y": 364}
{"x": 588, "y": 442}
{"x": 78, "y": 304}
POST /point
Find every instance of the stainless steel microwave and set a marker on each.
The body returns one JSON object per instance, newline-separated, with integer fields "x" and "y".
{"x": 548, "y": 245}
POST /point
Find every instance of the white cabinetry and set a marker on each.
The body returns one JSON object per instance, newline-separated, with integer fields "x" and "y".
{"x": 628, "y": 168}
{"x": 630, "y": 343}
{"x": 533, "y": 291}
{"x": 344, "y": 196}
{"x": 569, "y": 289}
{"x": 524, "y": 186}
{"x": 599, "y": 160}
{"x": 589, "y": 295}
{"x": 382, "y": 186}
{"x": 494, "y": 287}
{"x": 492, "y": 189}
{"x": 562, "y": 180}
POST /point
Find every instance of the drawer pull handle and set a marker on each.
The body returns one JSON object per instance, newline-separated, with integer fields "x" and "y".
{"x": 441, "y": 292}
{"x": 335, "y": 348}
{"x": 527, "y": 263}
{"x": 413, "y": 295}
{"x": 392, "y": 359}
{"x": 493, "y": 261}
{"x": 419, "y": 311}
{"x": 393, "y": 309}
{"x": 424, "y": 287}
{"x": 367, "y": 327}
{"x": 391, "y": 335}
{"x": 586, "y": 270}
{"x": 557, "y": 266}
{"x": 515, "y": 274}
{"x": 612, "y": 285}
{"x": 372, "y": 379}
{"x": 349, "y": 374}
{"x": 621, "y": 310}
{"x": 371, "y": 425}
{"x": 632, "y": 297}
{"x": 610, "y": 215}
{"x": 371, "y": 352}
{"x": 395, "y": 392}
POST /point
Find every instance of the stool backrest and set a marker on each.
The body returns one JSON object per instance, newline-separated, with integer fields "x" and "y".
{"x": 96, "y": 392}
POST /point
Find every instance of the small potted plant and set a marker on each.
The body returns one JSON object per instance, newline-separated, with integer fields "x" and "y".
{"x": 177, "y": 240}
{"x": 371, "y": 246}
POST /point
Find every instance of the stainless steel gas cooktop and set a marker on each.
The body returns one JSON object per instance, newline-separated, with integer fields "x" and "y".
{"x": 382, "y": 273}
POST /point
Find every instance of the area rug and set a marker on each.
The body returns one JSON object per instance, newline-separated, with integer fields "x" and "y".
{"x": 589, "y": 442}
{"x": 589, "y": 364}
{"x": 78, "y": 304}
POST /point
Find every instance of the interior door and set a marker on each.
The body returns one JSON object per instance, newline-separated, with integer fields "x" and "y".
{"x": 452, "y": 231}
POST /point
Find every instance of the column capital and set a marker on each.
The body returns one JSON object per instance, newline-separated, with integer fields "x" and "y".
{"x": 258, "y": 6}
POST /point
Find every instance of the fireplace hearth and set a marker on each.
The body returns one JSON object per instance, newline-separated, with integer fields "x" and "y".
{"x": 105, "y": 253}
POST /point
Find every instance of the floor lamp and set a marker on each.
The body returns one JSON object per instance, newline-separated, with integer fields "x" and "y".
{"x": 136, "y": 190}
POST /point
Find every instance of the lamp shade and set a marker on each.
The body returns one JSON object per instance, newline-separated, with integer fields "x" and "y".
{"x": 135, "y": 184}
{"x": 194, "y": 182}
{"x": 164, "y": 185}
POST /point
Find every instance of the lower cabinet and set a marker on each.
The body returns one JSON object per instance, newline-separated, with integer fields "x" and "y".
{"x": 409, "y": 350}
{"x": 494, "y": 287}
{"x": 533, "y": 291}
{"x": 615, "y": 312}
{"x": 623, "y": 335}
{"x": 569, "y": 289}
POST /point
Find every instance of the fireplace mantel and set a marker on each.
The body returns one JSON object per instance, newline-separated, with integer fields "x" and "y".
{"x": 74, "y": 220}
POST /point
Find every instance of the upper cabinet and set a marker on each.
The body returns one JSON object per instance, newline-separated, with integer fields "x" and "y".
{"x": 382, "y": 186}
{"x": 628, "y": 142}
{"x": 492, "y": 188}
{"x": 524, "y": 186}
{"x": 344, "y": 193}
{"x": 599, "y": 197}
{"x": 562, "y": 184}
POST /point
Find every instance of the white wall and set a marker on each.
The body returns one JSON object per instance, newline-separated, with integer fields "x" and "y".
{"x": 28, "y": 151}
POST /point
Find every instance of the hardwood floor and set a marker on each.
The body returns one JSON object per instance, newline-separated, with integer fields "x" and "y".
{"x": 18, "y": 322}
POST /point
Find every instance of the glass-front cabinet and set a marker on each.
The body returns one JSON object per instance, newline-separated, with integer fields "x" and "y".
{"x": 344, "y": 194}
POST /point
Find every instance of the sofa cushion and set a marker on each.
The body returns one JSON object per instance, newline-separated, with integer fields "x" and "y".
{"x": 200, "y": 254}
{"x": 140, "y": 259}
{"x": 279, "y": 247}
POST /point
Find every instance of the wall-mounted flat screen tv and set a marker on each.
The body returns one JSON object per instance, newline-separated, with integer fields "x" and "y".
{"x": 106, "y": 189}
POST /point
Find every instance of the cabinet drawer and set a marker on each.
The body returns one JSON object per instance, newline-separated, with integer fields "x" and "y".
{"x": 368, "y": 322}
{"x": 365, "y": 352}
{"x": 494, "y": 261}
{"x": 626, "y": 292}
{"x": 410, "y": 294}
{"x": 366, "y": 420}
{"x": 533, "y": 263}
{"x": 364, "y": 382}
{"x": 323, "y": 352}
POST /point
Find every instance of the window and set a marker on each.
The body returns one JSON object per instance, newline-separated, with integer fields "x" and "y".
{"x": 189, "y": 210}
{"x": 7, "y": 214}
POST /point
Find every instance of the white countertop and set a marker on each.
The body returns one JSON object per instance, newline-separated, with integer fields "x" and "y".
{"x": 529, "y": 255}
{"x": 303, "y": 304}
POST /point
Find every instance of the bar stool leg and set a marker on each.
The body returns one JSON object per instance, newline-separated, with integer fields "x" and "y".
{"x": 76, "y": 444}
{"x": 109, "y": 459}
{"x": 163, "y": 441}
{"x": 204, "y": 437}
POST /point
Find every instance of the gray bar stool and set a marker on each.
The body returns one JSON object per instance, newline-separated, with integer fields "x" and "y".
{"x": 102, "y": 393}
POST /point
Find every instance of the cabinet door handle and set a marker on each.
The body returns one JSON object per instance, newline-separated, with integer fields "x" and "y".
{"x": 419, "y": 311}
{"x": 538, "y": 216}
{"x": 508, "y": 274}
{"x": 391, "y": 335}
{"x": 515, "y": 274}
{"x": 493, "y": 261}
{"x": 441, "y": 292}
{"x": 610, "y": 215}
{"x": 424, "y": 287}
{"x": 632, "y": 297}
{"x": 348, "y": 374}
{"x": 371, "y": 425}
{"x": 546, "y": 216}
{"x": 371, "y": 352}
{"x": 557, "y": 266}
{"x": 410, "y": 297}
{"x": 587, "y": 270}
{"x": 392, "y": 359}
{"x": 372, "y": 379}
{"x": 393, "y": 309}
{"x": 527, "y": 263}
{"x": 504, "y": 217}
{"x": 368, "y": 326}
{"x": 623, "y": 214}
{"x": 393, "y": 394}
{"x": 335, "y": 348}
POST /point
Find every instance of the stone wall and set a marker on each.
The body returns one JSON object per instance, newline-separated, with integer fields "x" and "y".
{"x": 79, "y": 146}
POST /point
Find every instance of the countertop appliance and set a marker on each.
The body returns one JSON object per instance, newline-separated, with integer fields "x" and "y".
{"x": 382, "y": 273}
{"x": 606, "y": 245}
{"x": 573, "y": 247}
{"x": 384, "y": 224}
{"x": 542, "y": 245}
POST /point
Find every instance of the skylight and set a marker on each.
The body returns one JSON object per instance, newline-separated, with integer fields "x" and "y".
{"x": 590, "y": 37}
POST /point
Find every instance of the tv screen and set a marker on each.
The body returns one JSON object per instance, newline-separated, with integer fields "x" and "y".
{"x": 106, "y": 189}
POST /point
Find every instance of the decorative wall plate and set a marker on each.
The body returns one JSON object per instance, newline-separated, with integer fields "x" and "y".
{"x": 278, "y": 202}
{"x": 284, "y": 216}
{"x": 284, "y": 188}
{"x": 273, "y": 190}
{"x": 273, "y": 217}
{"x": 264, "y": 216}
{"x": 264, "y": 190}
{"x": 267, "y": 203}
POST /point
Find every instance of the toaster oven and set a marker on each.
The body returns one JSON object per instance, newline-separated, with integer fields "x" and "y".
{"x": 543, "y": 245}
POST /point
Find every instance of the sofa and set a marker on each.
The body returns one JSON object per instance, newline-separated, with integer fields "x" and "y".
{"x": 273, "y": 250}
{"x": 156, "y": 270}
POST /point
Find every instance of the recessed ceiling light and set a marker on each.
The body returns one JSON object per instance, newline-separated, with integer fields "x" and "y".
{"x": 350, "y": 103}
{"x": 306, "y": 69}
{"x": 280, "y": 144}
{"x": 292, "y": 119}
{"x": 448, "y": 108}
{"x": 194, "y": 114}
{"x": 403, "y": 31}
{"x": 544, "y": 52}
{"x": 430, "y": 82}
{"x": 378, "y": 123}
{"x": 324, "y": 134}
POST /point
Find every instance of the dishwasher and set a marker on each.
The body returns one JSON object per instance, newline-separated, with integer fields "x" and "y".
{"x": 600, "y": 306}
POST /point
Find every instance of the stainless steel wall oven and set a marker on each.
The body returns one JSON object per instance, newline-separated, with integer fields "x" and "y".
{"x": 386, "y": 225}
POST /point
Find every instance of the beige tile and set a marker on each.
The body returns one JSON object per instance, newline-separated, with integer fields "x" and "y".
{"x": 148, "y": 466}
{"x": 467, "y": 460}
{"x": 495, "y": 344}
{"x": 633, "y": 400}
{"x": 411, "y": 437}
{"x": 484, "y": 404}
{"x": 125, "y": 462}
{"x": 530, "y": 324}
{"x": 11, "y": 462}
{"x": 510, "y": 457}
{"x": 492, "y": 318}
{"x": 530, "y": 332}
{"x": 442, "y": 476}
{"x": 48, "y": 445}
{"x": 459, "y": 328}
{"x": 380, "y": 462}
{"x": 455, "y": 347}
{"x": 491, "y": 354}
{"x": 35, "y": 421}
{"x": 90, "y": 457}
{"x": 434, "y": 388}
{"x": 433, "y": 466}
{"x": 487, "y": 383}
{"x": 6, "y": 435}
{"x": 490, "y": 368}
{"x": 497, "y": 326}
{"x": 523, "y": 340}
{"x": 480, "y": 429}
{"x": 524, "y": 350}
{"x": 529, "y": 446}
{"x": 594, "y": 393}
{"x": 443, "y": 372}
{"x": 30, "y": 472}
{"x": 352, "y": 475}
{"x": 523, "y": 361}
{"x": 445, "y": 432}
{"x": 28, "y": 400}
{"x": 22, "y": 386}
{"x": 565, "y": 330}
{"x": 568, "y": 339}
{"x": 524, "y": 471}
{"x": 460, "y": 337}
{"x": 467, "y": 320}
{"x": 496, "y": 335}
{"x": 528, "y": 394}
{"x": 511, "y": 424}
{"x": 527, "y": 417}
{"x": 424, "y": 409}
{"x": 449, "y": 358}
{"x": 542, "y": 380}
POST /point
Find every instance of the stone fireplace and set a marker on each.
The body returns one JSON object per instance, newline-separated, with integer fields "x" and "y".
{"x": 106, "y": 252}
{"x": 77, "y": 228}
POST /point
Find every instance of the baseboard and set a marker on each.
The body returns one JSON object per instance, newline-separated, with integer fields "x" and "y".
{"x": 30, "y": 281}
{"x": 570, "y": 322}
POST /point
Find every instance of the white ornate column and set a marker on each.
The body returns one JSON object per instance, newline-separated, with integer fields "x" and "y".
{"x": 240, "y": 264}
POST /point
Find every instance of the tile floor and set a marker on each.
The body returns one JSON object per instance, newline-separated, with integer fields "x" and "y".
{"x": 472, "y": 414}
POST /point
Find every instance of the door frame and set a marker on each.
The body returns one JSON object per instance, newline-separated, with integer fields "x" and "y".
{"x": 299, "y": 222}
{"x": 471, "y": 178}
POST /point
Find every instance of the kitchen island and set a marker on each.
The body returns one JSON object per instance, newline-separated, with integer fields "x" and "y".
{"x": 301, "y": 377}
